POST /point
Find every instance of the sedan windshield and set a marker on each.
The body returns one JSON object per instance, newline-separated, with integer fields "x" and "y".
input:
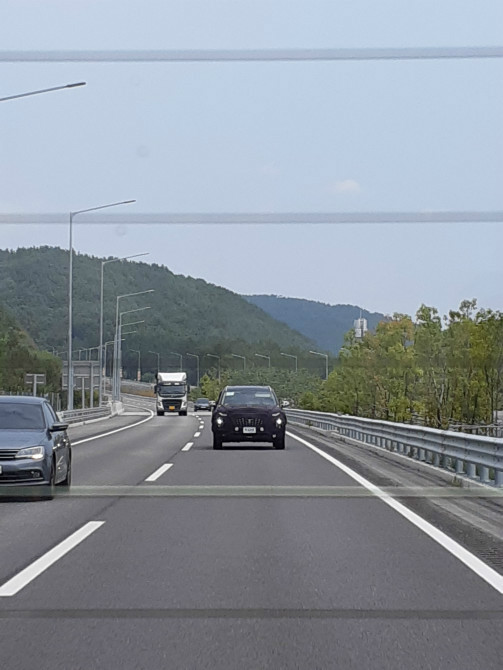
{"x": 249, "y": 398}
{"x": 21, "y": 416}
{"x": 202, "y": 401}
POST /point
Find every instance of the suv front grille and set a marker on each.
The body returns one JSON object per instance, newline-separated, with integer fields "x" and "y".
{"x": 242, "y": 421}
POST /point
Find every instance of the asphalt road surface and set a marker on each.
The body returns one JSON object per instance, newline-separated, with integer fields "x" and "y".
{"x": 147, "y": 567}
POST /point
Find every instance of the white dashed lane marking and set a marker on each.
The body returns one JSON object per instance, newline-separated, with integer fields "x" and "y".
{"x": 160, "y": 471}
{"x": 39, "y": 566}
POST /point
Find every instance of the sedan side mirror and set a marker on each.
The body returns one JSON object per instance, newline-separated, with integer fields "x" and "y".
{"x": 58, "y": 427}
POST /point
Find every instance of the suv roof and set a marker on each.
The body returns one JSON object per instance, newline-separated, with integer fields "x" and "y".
{"x": 247, "y": 386}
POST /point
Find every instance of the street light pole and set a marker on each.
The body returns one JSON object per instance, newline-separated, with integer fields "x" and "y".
{"x": 195, "y": 356}
{"x": 243, "y": 359}
{"x": 317, "y": 353}
{"x": 105, "y": 346}
{"x": 291, "y": 356}
{"x": 218, "y": 358}
{"x": 70, "y": 291}
{"x": 138, "y": 374}
{"x": 180, "y": 357}
{"x": 158, "y": 359}
{"x": 268, "y": 358}
{"x": 103, "y": 263}
{"x": 115, "y": 377}
{"x": 42, "y": 90}
{"x": 118, "y": 367}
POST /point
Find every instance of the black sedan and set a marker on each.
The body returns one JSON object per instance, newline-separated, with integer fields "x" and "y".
{"x": 34, "y": 446}
{"x": 202, "y": 403}
{"x": 248, "y": 414}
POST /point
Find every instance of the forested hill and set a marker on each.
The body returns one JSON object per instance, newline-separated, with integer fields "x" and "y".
{"x": 324, "y": 324}
{"x": 18, "y": 355}
{"x": 186, "y": 314}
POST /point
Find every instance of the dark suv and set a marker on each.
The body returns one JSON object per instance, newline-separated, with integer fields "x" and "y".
{"x": 248, "y": 414}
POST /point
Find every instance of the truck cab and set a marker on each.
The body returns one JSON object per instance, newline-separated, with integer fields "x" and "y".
{"x": 171, "y": 392}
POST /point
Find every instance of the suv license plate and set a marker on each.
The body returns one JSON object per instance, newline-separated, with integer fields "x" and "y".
{"x": 249, "y": 430}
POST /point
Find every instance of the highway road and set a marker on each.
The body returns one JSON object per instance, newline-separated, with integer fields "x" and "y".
{"x": 225, "y": 577}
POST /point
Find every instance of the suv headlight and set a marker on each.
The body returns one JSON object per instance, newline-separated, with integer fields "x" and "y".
{"x": 35, "y": 453}
{"x": 219, "y": 421}
{"x": 279, "y": 422}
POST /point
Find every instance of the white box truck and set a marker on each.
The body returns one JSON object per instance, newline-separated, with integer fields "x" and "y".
{"x": 171, "y": 391}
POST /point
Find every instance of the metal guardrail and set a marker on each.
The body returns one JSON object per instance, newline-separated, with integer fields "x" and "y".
{"x": 478, "y": 457}
{"x": 77, "y": 415}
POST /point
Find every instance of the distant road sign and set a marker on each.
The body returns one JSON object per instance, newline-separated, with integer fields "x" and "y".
{"x": 88, "y": 369}
{"x": 30, "y": 378}
{"x": 35, "y": 380}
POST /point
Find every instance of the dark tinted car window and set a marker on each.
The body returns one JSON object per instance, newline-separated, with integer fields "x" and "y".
{"x": 21, "y": 416}
{"x": 249, "y": 398}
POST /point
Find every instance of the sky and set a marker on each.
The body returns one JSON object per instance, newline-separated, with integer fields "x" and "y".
{"x": 265, "y": 137}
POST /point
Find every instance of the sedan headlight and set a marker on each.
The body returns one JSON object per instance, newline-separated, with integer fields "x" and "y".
{"x": 35, "y": 453}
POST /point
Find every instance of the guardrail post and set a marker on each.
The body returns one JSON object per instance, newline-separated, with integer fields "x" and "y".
{"x": 471, "y": 470}
{"x": 460, "y": 469}
{"x": 484, "y": 474}
{"x": 498, "y": 477}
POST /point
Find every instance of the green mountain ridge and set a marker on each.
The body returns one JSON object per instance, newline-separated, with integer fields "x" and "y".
{"x": 18, "y": 355}
{"x": 322, "y": 323}
{"x": 186, "y": 315}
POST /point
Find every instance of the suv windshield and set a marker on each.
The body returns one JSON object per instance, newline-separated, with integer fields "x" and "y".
{"x": 249, "y": 398}
{"x": 21, "y": 416}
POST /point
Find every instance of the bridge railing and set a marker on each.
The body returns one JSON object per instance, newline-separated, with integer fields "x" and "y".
{"x": 475, "y": 456}
{"x": 78, "y": 415}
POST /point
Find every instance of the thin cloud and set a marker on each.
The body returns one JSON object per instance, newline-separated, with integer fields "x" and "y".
{"x": 270, "y": 169}
{"x": 345, "y": 186}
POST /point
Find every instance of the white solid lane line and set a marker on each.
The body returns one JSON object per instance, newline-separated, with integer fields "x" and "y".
{"x": 160, "y": 471}
{"x": 471, "y": 561}
{"x": 117, "y": 430}
{"x": 197, "y": 434}
{"x": 188, "y": 446}
{"x": 19, "y": 581}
